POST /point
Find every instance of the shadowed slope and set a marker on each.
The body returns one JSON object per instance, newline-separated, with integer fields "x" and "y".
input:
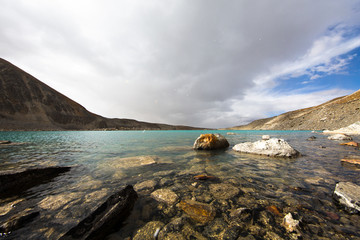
{"x": 28, "y": 104}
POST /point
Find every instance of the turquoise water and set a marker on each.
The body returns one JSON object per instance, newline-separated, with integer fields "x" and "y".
{"x": 95, "y": 158}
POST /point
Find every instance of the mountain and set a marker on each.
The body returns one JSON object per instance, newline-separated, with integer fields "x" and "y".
{"x": 337, "y": 113}
{"x": 28, "y": 104}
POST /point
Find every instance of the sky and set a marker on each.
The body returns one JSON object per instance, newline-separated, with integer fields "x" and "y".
{"x": 202, "y": 63}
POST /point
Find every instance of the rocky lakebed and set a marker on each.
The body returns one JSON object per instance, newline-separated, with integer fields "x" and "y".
{"x": 256, "y": 185}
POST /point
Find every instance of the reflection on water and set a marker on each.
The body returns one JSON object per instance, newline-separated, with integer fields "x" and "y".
{"x": 265, "y": 189}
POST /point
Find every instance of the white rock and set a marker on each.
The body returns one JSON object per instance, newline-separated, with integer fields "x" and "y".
{"x": 289, "y": 223}
{"x": 273, "y": 147}
{"x": 339, "y": 136}
{"x": 353, "y": 129}
{"x": 348, "y": 194}
{"x": 265, "y": 137}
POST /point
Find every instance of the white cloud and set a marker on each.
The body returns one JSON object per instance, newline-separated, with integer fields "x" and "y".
{"x": 175, "y": 61}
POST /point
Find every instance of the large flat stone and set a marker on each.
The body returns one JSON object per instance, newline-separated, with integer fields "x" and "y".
{"x": 348, "y": 195}
{"x": 274, "y": 147}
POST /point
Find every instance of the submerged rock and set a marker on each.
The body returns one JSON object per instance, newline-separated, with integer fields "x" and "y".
{"x": 5, "y": 209}
{"x": 107, "y": 218}
{"x": 223, "y": 191}
{"x": 14, "y": 182}
{"x": 355, "y": 160}
{"x": 274, "y": 147}
{"x": 273, "y": 209}
{"x": 353, "y": 144}
{"x": 348, "y": 195}
{"x": 197, "y": 211}
{"x": 204, "y": 177}
{"x": 18, "y": 221}
{"x": 129, "y": 162}
{"x": 149, "y": 231}
{"x": 148, "y": 184}
{"x": 339, "y": 136}
{"x": 54, "y": 202}
{"x": 210, "y": 142}
{"x": 312, "y": 138}
{"x": 165, "y": 195}
{"x": 289, "y": 223}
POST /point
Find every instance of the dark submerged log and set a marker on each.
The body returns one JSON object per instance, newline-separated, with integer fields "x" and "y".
{"x": 14, "y": 183}
{"x": 107, "y": 218}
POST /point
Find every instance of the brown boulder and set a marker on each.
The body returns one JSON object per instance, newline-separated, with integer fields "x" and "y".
{"x": 197, "y": 211}
{"x": 210, "y": 142}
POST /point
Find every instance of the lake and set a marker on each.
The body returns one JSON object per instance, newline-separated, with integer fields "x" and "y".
{"x": 101, "y": 161}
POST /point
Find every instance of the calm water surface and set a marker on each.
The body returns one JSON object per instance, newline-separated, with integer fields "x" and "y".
{"x": 303, "y": 186}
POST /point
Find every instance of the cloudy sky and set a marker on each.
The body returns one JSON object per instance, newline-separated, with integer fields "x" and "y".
{"x": 202, "y": 63}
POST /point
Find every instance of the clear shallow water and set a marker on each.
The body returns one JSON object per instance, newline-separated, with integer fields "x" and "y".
{"x": 303, "y": 186}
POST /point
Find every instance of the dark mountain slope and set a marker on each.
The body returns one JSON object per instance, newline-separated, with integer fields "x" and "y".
{"x": 28, "y": 104}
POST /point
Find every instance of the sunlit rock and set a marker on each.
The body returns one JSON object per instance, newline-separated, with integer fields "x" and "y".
{"x": 353, "y": 144}
{"x": 210, "y": 142}
{"x": 165, "y": 195}
{"x": 339, "y": 136}
{"x": 348, "y": 195}
{"x": 274, "y": 147}
{"x": 353, "y": 129}
{"x": 289, "y": 223}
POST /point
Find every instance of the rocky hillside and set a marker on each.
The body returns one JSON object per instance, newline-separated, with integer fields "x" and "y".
{"x": 334, "y": 114}
{"x": 28, "y": 104}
